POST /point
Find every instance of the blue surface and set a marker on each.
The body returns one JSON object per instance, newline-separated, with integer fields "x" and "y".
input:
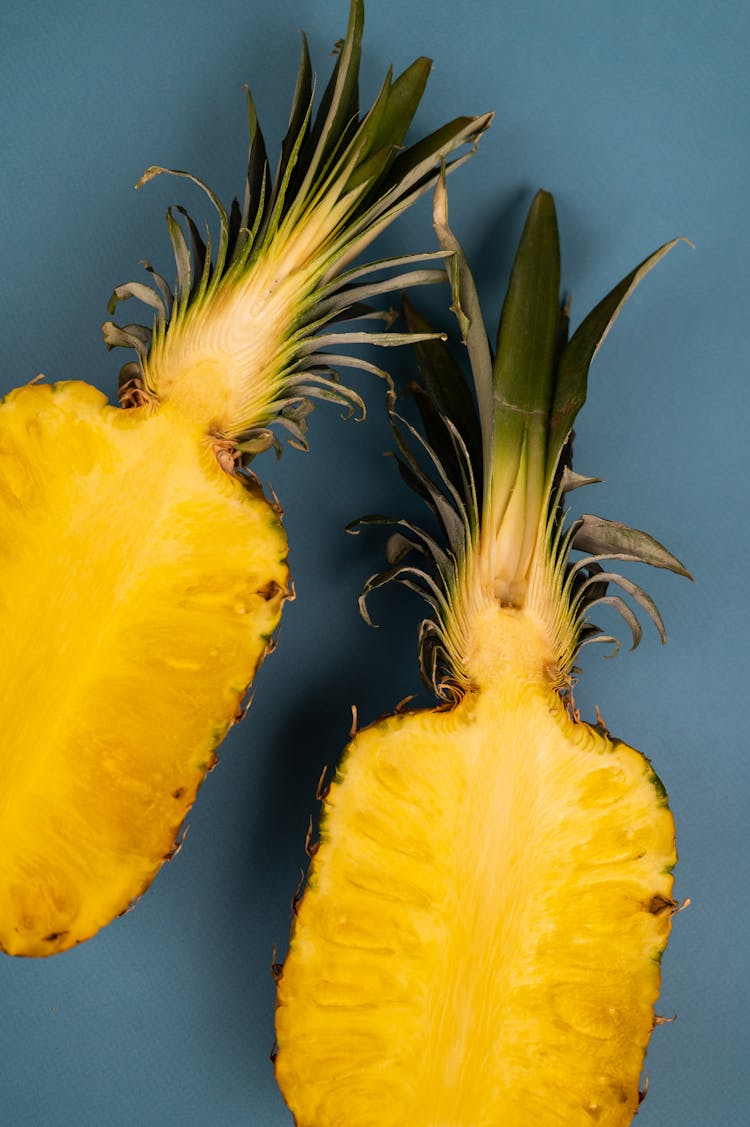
{"x": 635, "y": 116}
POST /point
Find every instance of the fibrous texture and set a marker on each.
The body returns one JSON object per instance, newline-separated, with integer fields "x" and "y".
{"x": 141, "y": 585}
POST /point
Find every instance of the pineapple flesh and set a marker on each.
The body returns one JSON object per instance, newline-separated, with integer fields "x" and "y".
{"x": 480, "y": 937}
{"x": 128, "y": 644}
{"x": 143, "y": 571}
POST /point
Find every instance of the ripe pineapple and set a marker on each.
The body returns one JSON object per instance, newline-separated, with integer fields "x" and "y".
{"x": 480, "y": 937}
{"x": 142, "y": 569}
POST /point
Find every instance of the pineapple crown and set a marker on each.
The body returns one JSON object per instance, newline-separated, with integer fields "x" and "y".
{"x": 281, "y": 274}
{"x": 498, "y": 450}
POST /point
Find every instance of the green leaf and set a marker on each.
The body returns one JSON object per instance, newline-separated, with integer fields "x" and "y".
{"x": 446, "y": 393}
{"x": 524, "y": 364}
{"x": 524, "y": 371}
{"x": 416, "y": 165}
{"x": 570, "y": 480}
{"x": 609, "y": 539}
{"x": 572, "y": 379}
{"x": 642, "y": 597}
{"x": 181, "y": 257}
{"x": 258, "y": 182}
{"x": 388, "y": 121}
{"x": 299, "y": 115}
{"x": 471, "y": 323}
{"x": 141, "y": 292}
{"x": 201, "y": 252}
{"x": 129, "y": 336}
{"x": 339, "y": 106}
{"x": 404, "y": 97}
{"x": 358, "y": 295}
{"x": 624, "y": 610}
{"x": 371, "y": 169}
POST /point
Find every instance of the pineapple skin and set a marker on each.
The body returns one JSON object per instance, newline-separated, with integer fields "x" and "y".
{"x": 479, "y": 942}
{"x": 140, "y": 585}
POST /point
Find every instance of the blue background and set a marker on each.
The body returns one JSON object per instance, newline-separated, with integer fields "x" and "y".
{"x": 635, "y": 116}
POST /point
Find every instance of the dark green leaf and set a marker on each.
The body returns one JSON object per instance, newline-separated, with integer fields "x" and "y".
{"x": 528, "y": 333}
{"x": 339, "y": 107}
{"x": 446, "y": 393}
{"x": 388, "y": 123}
{"x": 524, "y": 369}
{"x": 610, "y": 539}
{"x": 421, "y": 157}
{"x": 299, "y": 115}
{"x": 258, "y": 182}
{"x": 572, "y": 378}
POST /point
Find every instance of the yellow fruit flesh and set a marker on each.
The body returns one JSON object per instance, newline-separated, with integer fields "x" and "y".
{"x": 479, "y": 942}
{"x": 139, "y": 585}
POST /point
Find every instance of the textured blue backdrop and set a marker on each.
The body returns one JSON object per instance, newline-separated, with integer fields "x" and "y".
{"x": 635, "y": 115}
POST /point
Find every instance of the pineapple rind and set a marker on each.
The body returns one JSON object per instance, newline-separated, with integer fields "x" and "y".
{"x": 476, "y": 943}
{"x": 150, "y": 581}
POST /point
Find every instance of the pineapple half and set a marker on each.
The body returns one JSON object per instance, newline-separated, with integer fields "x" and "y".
{"x": 142, "y": 570}
{"x": 480, "y": 938}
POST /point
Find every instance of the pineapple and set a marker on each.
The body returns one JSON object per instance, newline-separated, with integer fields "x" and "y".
{"x": 143, "y": 570}
{"x": 479, "y": 940}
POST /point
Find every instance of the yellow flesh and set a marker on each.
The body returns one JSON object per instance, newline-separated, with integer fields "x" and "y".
{"x": 479, "y": 942}
{"x": 139, "y": 585}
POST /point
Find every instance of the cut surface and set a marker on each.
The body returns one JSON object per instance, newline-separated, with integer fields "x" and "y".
{"x": 480, "y": 938}
{"x": 145, "y": 585}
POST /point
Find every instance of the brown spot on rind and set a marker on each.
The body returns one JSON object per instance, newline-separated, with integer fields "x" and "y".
{"x": 177, "y": 846}
{"x": 54, "y": 936}
{"x": 321, "y": 792}
{"x": 311, "y": 847}
{"x": 658, "y": 904}
{"x": 275, "y": 503}
{"x": 600, "y": 726}
{"x": 228, "y": 456}
{"x": 244, "y": 703}
{"x": 269, "y": 590}
{"x": 132, "y": 394}
{"x": 298, "y": 894}
{"x": 277, "y": 968}
{"x": 178, "y": 793}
